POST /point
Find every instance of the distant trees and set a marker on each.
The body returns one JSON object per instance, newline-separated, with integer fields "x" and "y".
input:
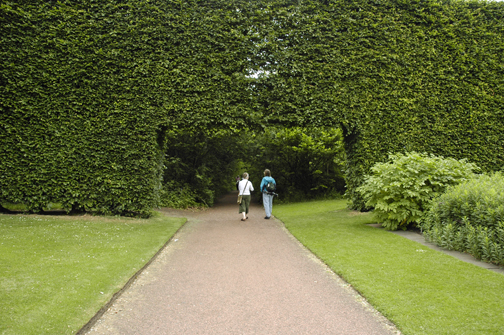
{"x": 306, "y": 163}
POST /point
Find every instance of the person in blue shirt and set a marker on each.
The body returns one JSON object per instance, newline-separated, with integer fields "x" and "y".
{"x": 267, "y": 195}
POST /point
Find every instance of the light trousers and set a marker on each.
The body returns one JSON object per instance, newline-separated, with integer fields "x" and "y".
{"x": 268, "y": 203}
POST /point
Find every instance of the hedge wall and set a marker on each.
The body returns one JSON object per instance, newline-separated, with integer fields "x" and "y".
{"x": 397, "y": 75}
{"x": 88, "y": 88}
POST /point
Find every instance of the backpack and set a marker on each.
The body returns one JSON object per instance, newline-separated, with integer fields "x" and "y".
{"x": 270, "y": 187}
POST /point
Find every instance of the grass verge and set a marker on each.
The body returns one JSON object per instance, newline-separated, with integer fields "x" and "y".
{"x": 56, "y": 272}
{"x": 421, "y": 290}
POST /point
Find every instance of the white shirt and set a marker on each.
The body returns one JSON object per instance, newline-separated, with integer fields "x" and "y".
{"x": 245, "y": 188}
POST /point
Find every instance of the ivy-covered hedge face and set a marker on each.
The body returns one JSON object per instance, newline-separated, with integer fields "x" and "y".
{"x": 88, "y": 88}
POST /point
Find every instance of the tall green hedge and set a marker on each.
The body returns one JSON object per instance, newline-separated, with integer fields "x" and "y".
{"x": 88, "y": 88}
{"x": 397, "y": 75}
{"x": 71, "y": 94}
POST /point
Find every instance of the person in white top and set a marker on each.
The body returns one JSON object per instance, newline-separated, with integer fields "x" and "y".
{"x": 244, "y": 189}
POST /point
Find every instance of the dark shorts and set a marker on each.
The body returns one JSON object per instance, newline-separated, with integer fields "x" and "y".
{"x": 244, "y": 206}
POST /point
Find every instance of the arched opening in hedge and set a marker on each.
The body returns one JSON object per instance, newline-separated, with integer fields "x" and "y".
{"x": 86, "y": 86}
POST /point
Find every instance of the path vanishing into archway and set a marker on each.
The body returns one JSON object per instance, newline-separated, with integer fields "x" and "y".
{"x": 219, "y": 275}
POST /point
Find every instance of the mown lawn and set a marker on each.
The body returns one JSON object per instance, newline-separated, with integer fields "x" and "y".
{"x": 421, "y": 290}
{"x": 56, "y": 272}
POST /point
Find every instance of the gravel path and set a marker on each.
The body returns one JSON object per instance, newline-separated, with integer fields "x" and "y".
{"x": 220, "y": 275}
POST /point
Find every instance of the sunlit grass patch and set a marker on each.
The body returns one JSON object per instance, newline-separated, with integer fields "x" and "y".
{"x": 57, "y": 271}
{"x": 421, "y": 290}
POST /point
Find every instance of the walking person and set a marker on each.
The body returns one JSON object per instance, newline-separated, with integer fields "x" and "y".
{"x": 244, "y": 189}
{"x": 268, "y": 186}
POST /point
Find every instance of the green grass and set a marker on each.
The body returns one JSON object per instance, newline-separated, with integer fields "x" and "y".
{"x": 421, "y": 290}
{"x": 56, "y": 272}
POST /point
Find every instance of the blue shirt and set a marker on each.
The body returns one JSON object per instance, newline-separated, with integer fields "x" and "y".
{"x": 265, "y": 182}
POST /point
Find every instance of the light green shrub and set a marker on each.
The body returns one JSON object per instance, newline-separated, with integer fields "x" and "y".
{"x": 402, "y": 189}
{"x": 470, "y": 217}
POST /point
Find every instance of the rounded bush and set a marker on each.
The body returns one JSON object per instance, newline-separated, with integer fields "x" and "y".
{"x": 470, "y": 217}
{"x": 402, "y": 189}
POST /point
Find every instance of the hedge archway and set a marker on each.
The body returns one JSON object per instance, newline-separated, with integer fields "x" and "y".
{"x": 88, "y": 88}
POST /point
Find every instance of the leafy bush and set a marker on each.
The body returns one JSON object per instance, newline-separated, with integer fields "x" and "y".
{"x": 470, "y": 217}
{"x": 402, "y": 190}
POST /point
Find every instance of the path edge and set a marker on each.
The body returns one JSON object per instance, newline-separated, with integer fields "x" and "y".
{"x": 382, "y": 319}
{"x": 89, "y": 325}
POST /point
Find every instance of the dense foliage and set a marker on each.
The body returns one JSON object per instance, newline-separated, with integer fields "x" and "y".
{"x": 470, "y": 218}
{"x": 306, "y": 163}
{"x": 198, "y": 168}
{"x": 397, "y": 75}
{"x": 401, "y": 190}
{"x": 89, "y": 88}
{"x": 72, "y": 88}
